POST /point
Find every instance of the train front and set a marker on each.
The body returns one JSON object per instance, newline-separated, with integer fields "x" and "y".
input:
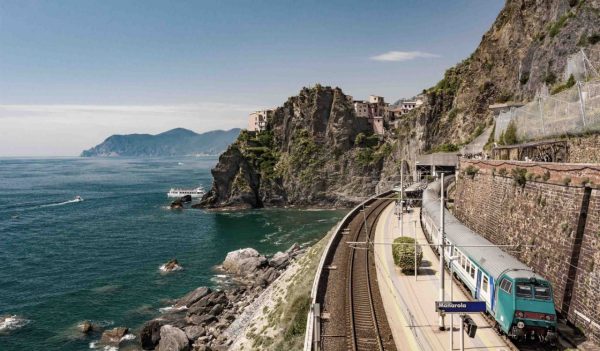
{"x": 535, "y": 315}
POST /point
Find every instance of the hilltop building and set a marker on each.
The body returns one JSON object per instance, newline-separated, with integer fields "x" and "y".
{"x": 257, "y": 120}
{"x": 374, "y": 109}
{"x": 402, "y": 107}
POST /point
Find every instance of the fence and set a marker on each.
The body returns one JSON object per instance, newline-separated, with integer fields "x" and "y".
{"x": 573, "y": 111}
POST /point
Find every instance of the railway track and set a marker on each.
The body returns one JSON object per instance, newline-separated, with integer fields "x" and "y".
{"x": 354, "y": 317}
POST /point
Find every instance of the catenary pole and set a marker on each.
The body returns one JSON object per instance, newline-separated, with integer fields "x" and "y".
{"x": 441, "y": 251}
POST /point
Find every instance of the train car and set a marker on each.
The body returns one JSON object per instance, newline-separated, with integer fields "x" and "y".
{"x": 519, "y": 299}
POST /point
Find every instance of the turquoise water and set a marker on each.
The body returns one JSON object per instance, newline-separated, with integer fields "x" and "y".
{"x": 65, "y": 262}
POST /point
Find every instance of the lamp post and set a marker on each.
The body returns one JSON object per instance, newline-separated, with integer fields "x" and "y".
{"x": 441, "y": 250}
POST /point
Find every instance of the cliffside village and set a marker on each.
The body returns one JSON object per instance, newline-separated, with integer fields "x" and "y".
{"x": 375, "y": 109}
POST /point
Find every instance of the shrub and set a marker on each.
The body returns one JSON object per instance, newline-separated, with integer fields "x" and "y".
{"x": 300, "y": 308}
{"x": 530, "y": 176}
{"x": 519, "y": 176}
{"x": 446, "y": 148}
{"x": 471, "y": 171}
{"x": 566, "y": 180}
{"x": 502, "y": 172}
{"x": 360, "y": 138}
{"x": 546, "y": 176}
{"x": 510, "y": 134}
{"x": 404, "y": 254}
{"x": 557, "y": 26}
{"x": 566, "y": 85}
{"x": 586, "y": 181}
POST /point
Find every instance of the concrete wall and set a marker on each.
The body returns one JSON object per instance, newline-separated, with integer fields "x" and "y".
{"x": 549, "y": 223}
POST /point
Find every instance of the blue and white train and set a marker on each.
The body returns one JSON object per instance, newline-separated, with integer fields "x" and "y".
{"x": 519, "y": 300}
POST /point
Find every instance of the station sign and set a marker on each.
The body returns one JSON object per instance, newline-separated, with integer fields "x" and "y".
{"x": 460, "y": 306}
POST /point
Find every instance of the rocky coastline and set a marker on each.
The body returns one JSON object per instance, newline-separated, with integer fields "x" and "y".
{"x": 197, "y": 321}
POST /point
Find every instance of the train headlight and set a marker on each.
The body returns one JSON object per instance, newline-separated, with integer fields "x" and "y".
{"x": 520, "y": 325}
{"x": 519, "y": 314}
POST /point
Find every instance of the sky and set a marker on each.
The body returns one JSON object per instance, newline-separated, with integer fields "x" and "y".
{"x": 74, "y": 72}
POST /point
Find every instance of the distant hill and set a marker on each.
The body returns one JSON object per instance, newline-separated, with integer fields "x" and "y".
{"x": 175, "y": 142}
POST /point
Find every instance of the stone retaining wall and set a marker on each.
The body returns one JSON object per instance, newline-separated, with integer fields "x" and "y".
{"x": 546, "y": 220}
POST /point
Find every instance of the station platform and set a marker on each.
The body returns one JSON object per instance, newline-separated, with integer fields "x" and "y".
{"x": 410, "y": 303}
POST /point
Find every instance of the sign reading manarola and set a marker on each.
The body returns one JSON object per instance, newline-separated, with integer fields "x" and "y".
{"x": 271, "y": 175}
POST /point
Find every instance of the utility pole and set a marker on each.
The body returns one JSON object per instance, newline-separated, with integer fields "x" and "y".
{"x": 416, "y": 264}
{"x": 401, "y": 196}
{"x": 581, "y": 102}
{"x": 442, "y": 239}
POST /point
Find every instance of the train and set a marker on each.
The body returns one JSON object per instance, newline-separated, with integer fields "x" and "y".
{"x": 517, "y": 298}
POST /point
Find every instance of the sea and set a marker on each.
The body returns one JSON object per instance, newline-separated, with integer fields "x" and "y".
{"x": 64, "y": 262}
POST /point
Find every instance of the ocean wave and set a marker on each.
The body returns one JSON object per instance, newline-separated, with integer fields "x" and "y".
{"x": 171, "y": 308}
{"x": 128, "y": 337}
{"x": 163, "y": 268}
{"x": 12, "y": 322}
{"x": 94, "y": 345}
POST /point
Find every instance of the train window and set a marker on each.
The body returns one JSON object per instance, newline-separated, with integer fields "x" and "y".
{"x": 542, "y": 292}
{"x": 472, "y": 271}
{"x": 462, "y": 261}
{"x": 484, "y": 283}
{"x": 506, "y": 285}
{"x": 524, "y": 290}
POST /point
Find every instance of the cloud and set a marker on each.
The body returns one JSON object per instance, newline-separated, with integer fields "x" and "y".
{"x": 63, "y": 130}
{"x": 402, "y": 56}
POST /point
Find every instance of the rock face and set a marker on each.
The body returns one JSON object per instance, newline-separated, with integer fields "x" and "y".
{"x": 309, "y": 156}
{"x": 526, "y": 47}
{"x": 172, "y": 339}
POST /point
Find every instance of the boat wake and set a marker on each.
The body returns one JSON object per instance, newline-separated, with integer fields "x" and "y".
{"x": 75, "y": 200}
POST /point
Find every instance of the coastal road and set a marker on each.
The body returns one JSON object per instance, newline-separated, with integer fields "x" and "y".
{"x": 352, "y": 312}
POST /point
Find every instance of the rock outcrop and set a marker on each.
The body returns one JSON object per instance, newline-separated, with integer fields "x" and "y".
{"x": 172, "y": 265}
{"x": 309, "y": 156}
{"x": 198, "y": 319}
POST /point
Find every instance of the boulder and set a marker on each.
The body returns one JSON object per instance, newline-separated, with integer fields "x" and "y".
{"x": 193, "y": 332}
{"x": 268, "y": 276}
{"x": 186, "y": 198}
{"x": 113, "y": 336}
{"x": 150, "y": 334}
{"x": 216, "y": 310}
{"x": 86, "y": 327}
{"x": 172, "y": 265}
{"x": 172, "y": 339}
{"x": 193, "y": 296}
{"x": 279, "y": 260}
{"x": 176, "y": 205}
{"x": 243, "y": 261}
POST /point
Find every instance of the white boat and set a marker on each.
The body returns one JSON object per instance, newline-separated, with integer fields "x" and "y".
{"x": 179, "y": 192}
{"x": 78, "y": 199}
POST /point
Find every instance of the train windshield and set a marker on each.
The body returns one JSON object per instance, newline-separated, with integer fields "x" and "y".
{"x": 542, "y": 292}
{"x": 524, "y": 290}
